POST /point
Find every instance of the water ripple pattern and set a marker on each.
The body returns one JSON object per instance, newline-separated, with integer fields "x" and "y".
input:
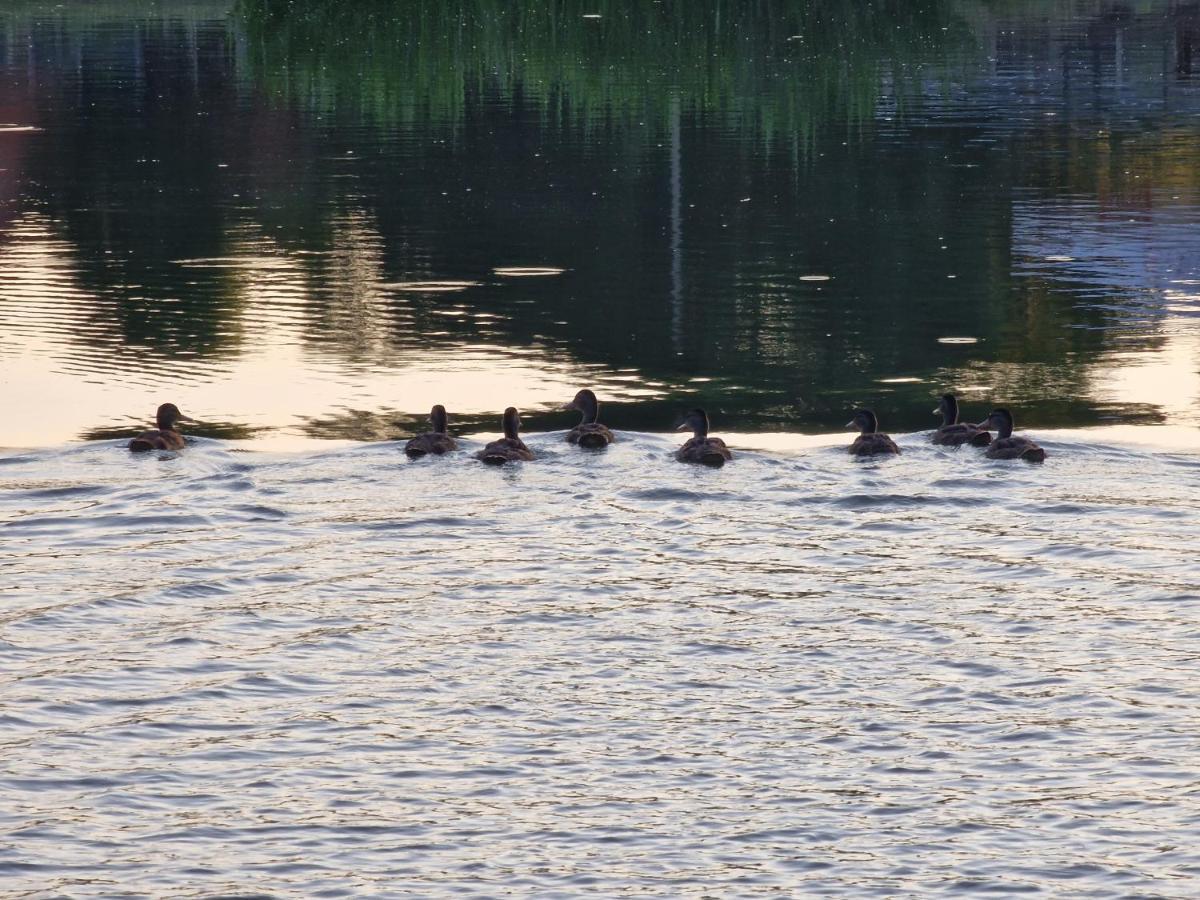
{"x": 344, "y": 673}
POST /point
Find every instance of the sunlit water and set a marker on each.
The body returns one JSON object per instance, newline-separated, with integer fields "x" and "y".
{"x": 289, "y": 661}
{"x": 342, "y": 672}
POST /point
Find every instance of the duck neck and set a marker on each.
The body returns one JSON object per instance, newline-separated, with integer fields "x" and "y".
{"x": 438, "y": 420}
{"x": 511, "y": 428}
{"x": 949, "y": 412}
{"x": 591, "y": 412}
{"x": 1004, "y": 428}
{"x": 166, "y": 422}
{"x": 700, "y": 430}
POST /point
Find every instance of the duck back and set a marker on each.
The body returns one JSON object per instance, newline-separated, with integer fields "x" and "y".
{"x": 431, "y": 442}
{"x": 961, "y": 433}
{"x": 154, "y": 439}
{"x": 590, "y": 434}
{"x": 873, "y": 444}
{"x": 1015, "y": 448}
{"x": 497, "y": 453}
{"x": 707, "y": 451}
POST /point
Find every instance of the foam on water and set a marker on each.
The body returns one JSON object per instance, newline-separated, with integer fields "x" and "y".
{"x": 342, "y": 671}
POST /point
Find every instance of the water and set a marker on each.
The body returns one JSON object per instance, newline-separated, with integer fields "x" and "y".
{"x": 299, "y": 223}
{"x": 600, "y": 673}
{"x": 290, "y": 661}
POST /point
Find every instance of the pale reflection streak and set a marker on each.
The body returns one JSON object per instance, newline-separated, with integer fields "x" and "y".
{"x": 1139, "y": 265}
{"x": 278, "y": 380}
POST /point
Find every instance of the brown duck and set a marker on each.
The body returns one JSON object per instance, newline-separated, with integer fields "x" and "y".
{"x": 589, "y": 432}
{"x": 437, "y": 441}
{"x": 509, "y": 448}
{"x": 708, "y": 451}
{"x": 954, "y": 433}
{"x": 166, "y": 436}
{"x": 1006, "y": 445}
{"x": 869, "y": 442}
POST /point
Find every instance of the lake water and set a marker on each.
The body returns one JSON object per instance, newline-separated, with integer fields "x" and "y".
{"x": 289, "y": 661}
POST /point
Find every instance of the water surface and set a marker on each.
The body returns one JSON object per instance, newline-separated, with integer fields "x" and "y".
{"x": 600, "y": 674}
{"x": 289, "y": 661}
{"x": 298, "y": 221}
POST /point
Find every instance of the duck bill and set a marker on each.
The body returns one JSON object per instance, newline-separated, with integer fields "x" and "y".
{"x": 850, "y": 424}
{"x": 682, "y": 426}
{"x": 566, "y": 407}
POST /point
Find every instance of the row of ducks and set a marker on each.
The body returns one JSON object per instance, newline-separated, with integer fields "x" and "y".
{"x": 951, "y": 433}
{"x": 700, "y": 448}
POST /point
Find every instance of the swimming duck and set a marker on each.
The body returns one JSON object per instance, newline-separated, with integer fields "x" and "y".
{"x": 509, "y": 448}
{"x": 870, "y": 442}
{"x": 954, "y": 433}
{"x": 436, "y": 441}
{"x": 589, "y": 432}
{"x": 701, "y": 448}
{"x": 166, "y": 436}
{"x": 1005, "y": 446}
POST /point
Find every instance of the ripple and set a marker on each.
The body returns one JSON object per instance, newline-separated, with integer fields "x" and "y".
{"x": 527, "y": 271}
{"x": 429, "y": 287}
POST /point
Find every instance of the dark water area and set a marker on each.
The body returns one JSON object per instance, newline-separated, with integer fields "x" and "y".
{"x": 313, "y": 221}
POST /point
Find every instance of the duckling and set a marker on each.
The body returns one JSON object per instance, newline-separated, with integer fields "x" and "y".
{"x": 436, "y": 441}
{"x": 701, "y": 448}
{"x": 589, "y": 432}
{"x": 166, "y": 436}
{"x": 1005, "y": 446}
{"x": 954, "y": 433}
{"x": 870, "y": 442}
{"x": 509, "y": 448}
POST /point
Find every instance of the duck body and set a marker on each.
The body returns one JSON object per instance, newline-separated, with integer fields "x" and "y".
{"x": 954, "y": 433}
{"x": 436, "y": 442}
{"x": 700, "y": 448}
{"x": 589, "y": 432}
{"x": 509, "y": 448}
{"x": 1007, "y": 445}
{"x": 166, "y": 436}
{"x": 870, "y": 441}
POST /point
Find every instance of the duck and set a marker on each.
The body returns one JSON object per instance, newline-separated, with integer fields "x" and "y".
{"x": 589, "y": 432}
{"x": 870, "y": 442}
{"x": 701, "y": 448}
{"x": 1006, "y": 446}
{"x": 954, "y": 433}
{"x": 166, "y": 436}
{"x": 509, "y": 448}
{"x": 436, "y": 441}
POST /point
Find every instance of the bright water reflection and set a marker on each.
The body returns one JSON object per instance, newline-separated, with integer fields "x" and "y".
{"x": 607, "y": 674}
{"x": 276, "y": 214}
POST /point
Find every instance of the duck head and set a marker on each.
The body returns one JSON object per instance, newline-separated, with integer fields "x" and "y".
{"x": 864, "y": 420}
{"x": 948, "y": 407}
{"x": 512, "y": 423}
{"x": 168, "y": 414}
{"x": 697, "y": 421}
{"x": 585, "y": 401}
{"x": 1001, "y": 420}
{"x": 437, "y": 418}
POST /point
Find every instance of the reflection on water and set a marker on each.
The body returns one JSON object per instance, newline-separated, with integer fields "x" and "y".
{"x": 310, "y": 666}
{"x": 279, "y": 215}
